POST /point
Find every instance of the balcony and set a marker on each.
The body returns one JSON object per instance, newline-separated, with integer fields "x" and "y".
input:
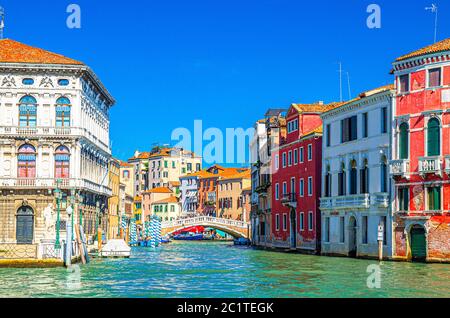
{"x": 29, "y": 132}
{"x": 380, "y": 200}
{"x": 289, "y": 200}
{"x": 400, "y": 168}
{"x": 262, "y": 189}
{"x": 430, "y": 165}
{"x": 359, "y": 201}
{"x": 50, "y": 183}
{"x": 447, "y": 164}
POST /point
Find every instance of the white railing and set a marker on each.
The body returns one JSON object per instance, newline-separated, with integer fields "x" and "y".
{"x": 53, "y": 131}
{"x": 205, "y": 220}
{"x": 51, "y": 183}
{"x": 430, "y": 165}
{"x": 380, "y": 200}
{"x": 447, "y": 164}
{"x": 349, "y": 201}
{"x": 400, "y": 167}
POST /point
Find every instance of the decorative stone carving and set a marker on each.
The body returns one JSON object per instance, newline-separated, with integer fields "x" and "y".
{"x": 50, "y": 222}
{"x": 418, "y": 196}
{"x": 9, "y": 81}
{"x": 46, "y": 82}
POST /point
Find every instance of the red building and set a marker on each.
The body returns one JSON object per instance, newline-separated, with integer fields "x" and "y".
{"x": 421, "y": 160}
{"x": 296, "y": 180}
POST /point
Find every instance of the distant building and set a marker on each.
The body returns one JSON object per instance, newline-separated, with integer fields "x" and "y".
{"x": 151, "y": 196}
{"x": 113, "y": 201}
{"x": 356, "y": 186}
{"x": 189, "y": 193}
{"x": 229, "y": 195}
{"x": 168, "y": 209}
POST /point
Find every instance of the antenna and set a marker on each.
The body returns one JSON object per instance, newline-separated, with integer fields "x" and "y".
{"x": 434, "y": 9}
{"x": 340, "y": 81}
{"x": 349, "y": 89}
{"x": 2, "y": 21}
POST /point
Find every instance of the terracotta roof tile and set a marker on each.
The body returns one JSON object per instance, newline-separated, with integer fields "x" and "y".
{"x": 15, "y": 52}
{"x": 159, "y": 190}
{"x": 168, "y": 200}
{"x": 441, "y": 46}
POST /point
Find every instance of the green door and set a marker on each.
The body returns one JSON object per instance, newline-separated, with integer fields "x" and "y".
{"x": 418, "y": 244}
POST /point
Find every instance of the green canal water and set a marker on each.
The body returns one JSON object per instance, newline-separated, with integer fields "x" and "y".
{"x": 221, "y": 270}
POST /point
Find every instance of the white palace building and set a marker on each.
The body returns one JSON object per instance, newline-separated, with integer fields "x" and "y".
{"x": 356, "y": 187}
{"x": 54, "y": 147}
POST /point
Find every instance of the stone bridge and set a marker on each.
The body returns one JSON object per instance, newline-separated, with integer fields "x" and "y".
{"x": 234, "y": 228}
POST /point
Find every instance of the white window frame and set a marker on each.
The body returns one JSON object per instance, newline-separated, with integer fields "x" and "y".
{"x": 302, "y": 155}
{"x": 284, "y": 159}
{"x": 302, "y": 187}
{"x": 277, "y": 222}
{"x": 277, "y": 191}
{"x": 290, "y": 158}
{"x": 292, "y": 184}
{"x": 277, "y": 162}
{"x": 285, "y": 222}
{"x": 310, "y": 221}
{"x": 284, "y": 188}
{"x": 302, "y": 221}
{"x": 310, "y": 155}
{"x": 295, "y": 156}
{"x": 310, "y": 186}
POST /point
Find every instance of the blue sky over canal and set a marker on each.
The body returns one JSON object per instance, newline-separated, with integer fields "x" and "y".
{"x": 169, "y": 63}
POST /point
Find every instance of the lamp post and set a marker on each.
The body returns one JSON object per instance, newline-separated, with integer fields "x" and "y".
{"x": 69, "y": 236}
{"x": 58, "y": 196}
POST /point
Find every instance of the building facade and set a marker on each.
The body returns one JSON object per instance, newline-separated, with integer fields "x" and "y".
{"x": 54, "y": 135}
{"x": 189, "y": 193}
{"x": 421, "y": 154}
{"x": 356, "y": 187}
{"x": 229, "y": 195}
{"x": 296, "y": 179}
{"x": 269, "y": 132}
{"x": 114, "y": 200}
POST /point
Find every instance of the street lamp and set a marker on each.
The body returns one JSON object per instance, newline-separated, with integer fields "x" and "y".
{"x": 58, "y": 196}
{"x": 69, "y": 236}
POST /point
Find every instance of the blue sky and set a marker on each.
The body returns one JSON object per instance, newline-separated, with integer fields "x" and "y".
{"x": 170, "y": 62}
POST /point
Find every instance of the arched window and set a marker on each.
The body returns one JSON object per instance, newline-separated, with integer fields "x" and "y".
{"x": 353, "y": 177}
{"x": 342, "y": 181}
{"x": 403, "y": 146}
{"x": 364, "y": 175}
{"x": 328, "y": 183}
{"x": 26, "y": 162}
{"x": 62, "y": 163}
{"x": 434, "y": 137}
{"x": 27, "y": 111}
{"x": 63, "y": 112}
{"x": 384, "y": 175}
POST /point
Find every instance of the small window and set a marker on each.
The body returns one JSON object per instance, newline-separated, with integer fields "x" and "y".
{"x": 342, "y": 229}
{"x": 277, "y": 191}
{"x": 403, "y": 199}
{"x": 328, "y": 135}
{"x": 284, "y": 222}
{"x": 310, "y": 221}
{"x": 310, "y": 152}
{"x": 434, "y": 77}
{"x": 404, "y": 83}
{"x": 28, "y": 81}
{"x": 295, "y": 156}
{"x": 302, "y": 159}
{"x": 63, "y": 82}
{"x": 277, "y": 222}
{"x": 290, "y": 158}
{"x": 302, "y": 187}
{"x": 327, "y": 230}
{"x": 302, "y": 221}
{"x": 365, "y": 125}
{"x": 364, "y": 229}
{"x": 310, "y": 186}
{"x": 384, "y": 120}
{"x": 284, "y": 188}
{"x": 284, "y": 160}
{"x": 277, "y": 162}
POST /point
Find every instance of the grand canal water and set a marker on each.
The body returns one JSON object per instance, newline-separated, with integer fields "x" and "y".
{"x": 221, "y": 270}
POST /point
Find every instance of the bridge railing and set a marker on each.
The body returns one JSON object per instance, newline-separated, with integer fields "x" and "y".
{"x": 204, "y": 219}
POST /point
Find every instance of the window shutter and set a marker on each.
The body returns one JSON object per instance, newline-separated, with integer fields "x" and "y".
{"x": 403, "y": 147}
{"x": 433, "y": 138}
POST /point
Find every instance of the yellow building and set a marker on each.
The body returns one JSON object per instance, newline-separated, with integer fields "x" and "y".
{"x": 114, "y": 200}
{"x": 230, "y": 195}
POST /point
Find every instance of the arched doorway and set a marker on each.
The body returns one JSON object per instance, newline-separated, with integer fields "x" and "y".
{"x": 24, "y": 225}
{"x": 293, "y": 219}
{"x": 352, "y": 238}
{"x": 418, "y": 243}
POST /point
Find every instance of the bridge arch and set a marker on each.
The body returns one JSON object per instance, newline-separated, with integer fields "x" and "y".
{"x": 237, "y": 229}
